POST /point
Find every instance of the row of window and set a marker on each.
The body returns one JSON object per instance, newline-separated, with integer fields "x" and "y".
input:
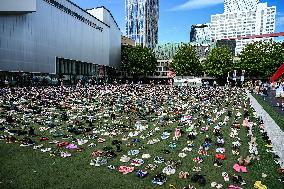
{"x": 74, "y": 14}
{"x": 65, "y": 66}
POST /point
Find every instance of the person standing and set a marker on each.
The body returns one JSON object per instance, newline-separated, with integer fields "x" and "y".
{"x": 282, "y": 94}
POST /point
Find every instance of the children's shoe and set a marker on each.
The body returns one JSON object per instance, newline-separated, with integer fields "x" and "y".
{"x": 183, "y": 175}
{"x": 258, "y": 185}
{"x": 111, "y": 167}
{"x": 141, "y": 173}
{"x": 225, "y": 176}
{"x": 159, "y": 179}
{"x": 146, "y": 156}
{"x": 213, "y": 184}
{"x": 219, "y": 186}
{"x": 169, "y": 170}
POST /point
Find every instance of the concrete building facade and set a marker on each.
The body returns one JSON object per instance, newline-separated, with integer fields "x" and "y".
{"x": 246, "y": 22}
{"x": 57, "y": 37}
{"x": 239, "y": 5}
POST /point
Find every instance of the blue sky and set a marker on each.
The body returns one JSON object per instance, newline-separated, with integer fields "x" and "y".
{"x": 177, "y": 16}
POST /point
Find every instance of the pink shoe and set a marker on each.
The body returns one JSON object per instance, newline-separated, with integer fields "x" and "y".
{"x": 237, "y": 168}
{"x": 243, "y": 169}
{"x": 234, "y": 187}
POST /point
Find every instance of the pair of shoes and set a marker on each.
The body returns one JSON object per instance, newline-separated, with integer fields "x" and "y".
{"x": 37, "y": 147}
{"x": 234, "y": 187}
{"x": 220, "y": 150}
{"x": 268, "y": 145}
{"x": 62, "y": 144}
{"x": 182, "y": 155}
{"x": 238, "y": 179}
{"x": 281, "y": 179}
{"x": 216, "y": 185}
{"x": 220, "y": 156}
{"x": 125, "y": 170}
{"x": 189, "y": 187}
{"x": 65, "y": 154}
{"x": 43, "y": 139}
{"x": 133, "y": 152}
{"x": 151, "y": 167}
{"x": 200, "y": 179}
{"x": 141, "y": 173}
{"x": 137, "y": 162}
{"x": 46, "y": 150}
{"x": 217, "y": 163}
{"x": 146, "y": 156}
{"x": 225, "y": 176}
{"x": 196, "y": 169}
{"x": 258, "y": 185}
{"x": 172, "y": 145}
{"x": 159, "y": 159}
{"x": 111, "y": 167}
{"x": 198, "y": 159}
{"x": 98, "y": 161}
{"x": 280, "y": 170}
{"x": 159, "y": 179}
{"x": 71, "y": 146}
{"x": 125, "y": 159}
{"x": 238, "y": 168}
{"x": 183, "y": 175}
{"x": 169, "y": 170}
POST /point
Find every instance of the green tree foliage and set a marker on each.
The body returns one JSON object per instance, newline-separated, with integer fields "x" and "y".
{"x": 261, "y": 59}
{"x": 138, "y": 61}
{"x": 185, "y": 62}
{"x": 218, "y": 63}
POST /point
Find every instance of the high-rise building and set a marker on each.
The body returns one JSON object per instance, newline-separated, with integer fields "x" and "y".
{"x": 243, "y": 23}
{"x": 200, "y": 33}
{"x": 240, "y": 5}
{"x": 142, "y": 18}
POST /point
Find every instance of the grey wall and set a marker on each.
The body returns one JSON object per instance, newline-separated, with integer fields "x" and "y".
{"x": 17, "y": 5}
{"x": 114, "y": 39}
{"x": 114, "y": 34}
{"x": 31, "y": 42}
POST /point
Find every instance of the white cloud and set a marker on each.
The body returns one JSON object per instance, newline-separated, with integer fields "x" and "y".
{"x": 196, "y": 4}
{"x": 280, "y": 20}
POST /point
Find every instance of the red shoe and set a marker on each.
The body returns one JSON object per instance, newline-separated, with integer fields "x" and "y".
{"x": 62, "y": 144}
{"x": 43, "y": 139}
{"x": 220, "y": 156}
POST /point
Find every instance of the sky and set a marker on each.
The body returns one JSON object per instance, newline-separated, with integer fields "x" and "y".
{"x": 177, "y": 16}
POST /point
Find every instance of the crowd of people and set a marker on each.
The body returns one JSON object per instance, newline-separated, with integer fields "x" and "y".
{"x": 139, "y": 128}
{"x": 269, "y": 89}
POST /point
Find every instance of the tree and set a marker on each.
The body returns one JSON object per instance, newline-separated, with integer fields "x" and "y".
{"x": 262, "y": 59}
{"x": 219, "y": 63}
{"x": 138, "y": 61}
{"x": 185, "y": 62}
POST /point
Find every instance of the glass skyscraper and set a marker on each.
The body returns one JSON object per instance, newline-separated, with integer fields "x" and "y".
{"x": 141, "y": 19}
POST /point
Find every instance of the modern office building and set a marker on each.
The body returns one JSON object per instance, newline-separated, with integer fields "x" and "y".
{"x": 141, "y": 19}
{"x": 243, "y": 23}
{"x": 200, "y": 33}
{"x": 165, "y": 54}
{"x": 127, "y": 41}
{"x": 57, "y": 37}
{"x": 239, "y": 5}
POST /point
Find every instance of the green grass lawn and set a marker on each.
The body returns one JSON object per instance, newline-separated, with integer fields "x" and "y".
{"x": 25, "y": 168}
{"x": 276, "y": 116}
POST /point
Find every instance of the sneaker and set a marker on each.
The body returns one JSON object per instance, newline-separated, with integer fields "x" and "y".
{"x": 46, "y": 150}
